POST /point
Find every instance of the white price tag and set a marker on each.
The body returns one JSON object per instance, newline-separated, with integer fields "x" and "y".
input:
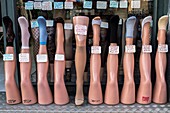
{"x": 49, "y": 23}
{"x": 135, "y": 4}
{"x": 59, "y": 57}
{"x": 96, "y": 49}
{"x": 42, "y": 58}
{"x": 163, "y": 48}
{"x": 120, "y": 21}
{"x": 101, "y": 4}
{"x": 8, "y": 57}
{"x": 104, "y": 25}
{"x": 68, "y": 26}
{"x": 24, "y": 57}
{"x": 29, "y": 5}
{"x": 87, "y": 4}
{"x": 123, "y": 4}
{"x": 37, "y": 5}
{"x": 80, "y": 30}
{"x": 68, "y": 5}
{"x": 130, "y": 48}
{"x": 38, "y": 0}
{"x": 1, "y": 29}
{"x": 113, "y": 49}
{"x": 34, "y": 24}
{"x": 114, "y": 4}
{"x": 46, "y": 5}
{"x": 48, "y": 0}
{"x": 146, "y": 48}
{"x": 58, "y": 5}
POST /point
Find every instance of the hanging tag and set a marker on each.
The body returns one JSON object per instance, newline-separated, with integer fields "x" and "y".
{"x": 114, "y": 4}
{"x": 104, "y": 25}
{"x": 87, "y": 4}
{"x": 29, "y": 5}
{"x": 113, "y": 49}
{"x": 80, "y": 30}
{"x": 34, "y": 24}
{"x": 96, "y": 49}
{"x": 8, "y": 57}
{"x": 49, "y": 23}
{"x": 135, "y": 4}
{"x": 130, "y": 48}
{"x": 146, "y": 48}
{"x": 163, "y": 48}
{"x": 58, "y": 5}
{"x": 24, "y": 57}
{"x": 42, "y": 58}
{"x": 68, "y": 5}
{"x": 123, "y": 4}
{"x": 68, "y": 26}
{"x": 59, "y": 57}
{"x": 46, "y": 5}
{"x": 101, "y": 4}
{"x": 37, "y": 5}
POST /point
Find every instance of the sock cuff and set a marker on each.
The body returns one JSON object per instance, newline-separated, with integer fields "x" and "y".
{"x": 96, "y": 22}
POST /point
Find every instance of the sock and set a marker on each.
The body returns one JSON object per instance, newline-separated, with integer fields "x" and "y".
{"x": 43, "y": 32}
{"x": 97, "y": 21}
{"x": 113, "y": 25}
{"x": 146, "y": 20}
{"x": 162, "y": 23}
{"x": 24, "y": 32}
{"x": 130, "y": 24}
{"x": 9, "y": 31}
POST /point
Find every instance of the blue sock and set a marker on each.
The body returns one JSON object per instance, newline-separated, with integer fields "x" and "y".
{"x": 43, "y": 32}
{"x": 130, "y": 25}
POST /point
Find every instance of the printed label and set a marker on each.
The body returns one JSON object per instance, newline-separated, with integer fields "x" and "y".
{"x": 130, "y": 48}
{"x": 68, "y": 26}
{"x": 46, "y": 5}
{"x": 104, "y": 25}
{"x": 29, "y": 5}
{"x": 101, "y": 5}
{"x": 68, "y": 5}
{"x": 123, "y": 4}
{"x": 80, "y": 30}
{"x": 24, "y": 57}
{"x": 163, "y": 48}
{"x": 42, "y": 58}
{"x": 113, "y": 49}
{"x": 8, "y": 57}
{"x": 58, "y": 5}
{"x": 96, "y": 49}
{"x": 146, "y": 48}
{"x": 135, "y": 4}
{"x": 49, "y": 23}
{"x": 37, "y": 5}
{"x": 87, "y": 4}
{"x": 114, "y": 4}
{"x": 59, "y": 57}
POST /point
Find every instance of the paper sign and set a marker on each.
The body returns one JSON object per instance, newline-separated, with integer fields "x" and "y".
{"x": 96, "y": 49}
{"x": 147, "y": 49}
{"x": 37, "y": 5}
{"x": 80, "y": 30}
{"x": 114, "y": 4}
{"x": 123, "y": 4}
{"x": 130, "y": 48}
{"x": 59, "y": 57}
{"x": 42, "y": 58}
{"x": 101, "y": 4}
{"x": 24, "y": 57}
{"x": 87, "y": 4}
{"x": 29, "y": 5}
{"x": 68, "y": 26}
{"x": 34, "y": 24}
{"x": 113, "y": 49}
{"x": 135, "y": 4}
{"x": 58, "y": 5}
{"x": 46, "y": 5}
{"x": 49, "y": 23}
{"x": 104, "y": 25}
{"x": 68, "y": 5}
{"x": 163, "y": 48}
{"x": 8, "y": 57}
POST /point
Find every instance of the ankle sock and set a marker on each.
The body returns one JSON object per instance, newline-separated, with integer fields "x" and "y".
{"x": 130, "y": 25}
{"x": 163, "y": 22}
{"x": 146, "y": 20}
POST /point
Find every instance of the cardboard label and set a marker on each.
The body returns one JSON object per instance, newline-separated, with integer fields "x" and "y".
{"x": 101, "y": 4}
{"x": 42, "y": 58}
{"x": 96, "y": 49}
{"x": 163, "y": 48}
{"x": 113, "y": 49}
{"x": 8, "y": 57}
{"x": 29, "y": 5}
{"x": 114, "y": 4}
{"x": 146, "y": 48}
{"x": 104, "y": 25}
{"x": 87, "y": 4}
{"x": 49, "y": 23}
{"x": 123, "y": 4}
{"x": 46, "y": 5}
{"x": 135, "y": 4}
{"x": 34, "y": 24}
{"x": 80, "y": 30}
{"x": 59, "y": 57}
{"x": 130, "y": 48}
{"x": 58, "y": 5}
{"x": 37, "y": 5}
{"x": 24, "y": 57}
{"x": 68, "y": 26}
{"x": 68, "y": 5}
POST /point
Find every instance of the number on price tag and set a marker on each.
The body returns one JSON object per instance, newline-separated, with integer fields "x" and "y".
{"x": 58, "y": 5}
{"x": 101, "y": 5}
{"x": 114, "y": 4}
{"x": 104, "y": 25}
{"x": 29, "y": 5}
{"x": 68, "y": 26}
{"x": 8, "y": 57}
{"x": 96, "y": 49}
{"x": 50, "y": 23}
{"x": 130, "y": 48}
{"x": 123, "y": 4}
{"x": 135, "y": 4}
{"x": 42, "y": 58}
{"x": 68, "y": 5}
{"x": 113, "y": 49}
{"x": 59, "y": 57}
{"x": 46, "y": 5}
{"x": 80, "y": 30}
{"x": 34, "y": 24}
{"x": 147, "y": 49}
{"x": 37, "y": 5}
{"x": 163, "y": 48}
{"x": 24, "y": 57}
{"x": 87, "y": 4}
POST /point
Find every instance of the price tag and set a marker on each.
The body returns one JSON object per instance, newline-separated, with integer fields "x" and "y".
{"x": 123, "y": 4}
{"x": 24, "y": 57}
{"x": 135, "y": 4}
{"x": 101, "y": 4}
{"x": 46, "y": 5}
{"x": 8, "y": 57}
{"x": 87, "y": 4}
{"x": 104, "y": 25}
{"x": 42, "y": 58}
{"x": 113, "y": 49}
{"x": 80, "y": 30}
{"x": 114, "y": 4}
{"x": 49, "y": 23}
{"x": 38, "y": 0}
{"x": 29, "y": 5}
{"x": 1, "y": 29}
{"x": 58, "y": 5}
{"x": 48, "y": 0}
{"x": 96, "y": 49}
{"x": 68, "y": 5}
{"x": 34, "y": 24}
{"x": 147, "y": 49}
{"x": 120, "y": 21}
{"x": 163, "y": 48}
{"x": 130, "y": 48}
{"x": 68, "y": 26}
{"x": 37, "y": 5}
{"x": 59, "y": 57}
